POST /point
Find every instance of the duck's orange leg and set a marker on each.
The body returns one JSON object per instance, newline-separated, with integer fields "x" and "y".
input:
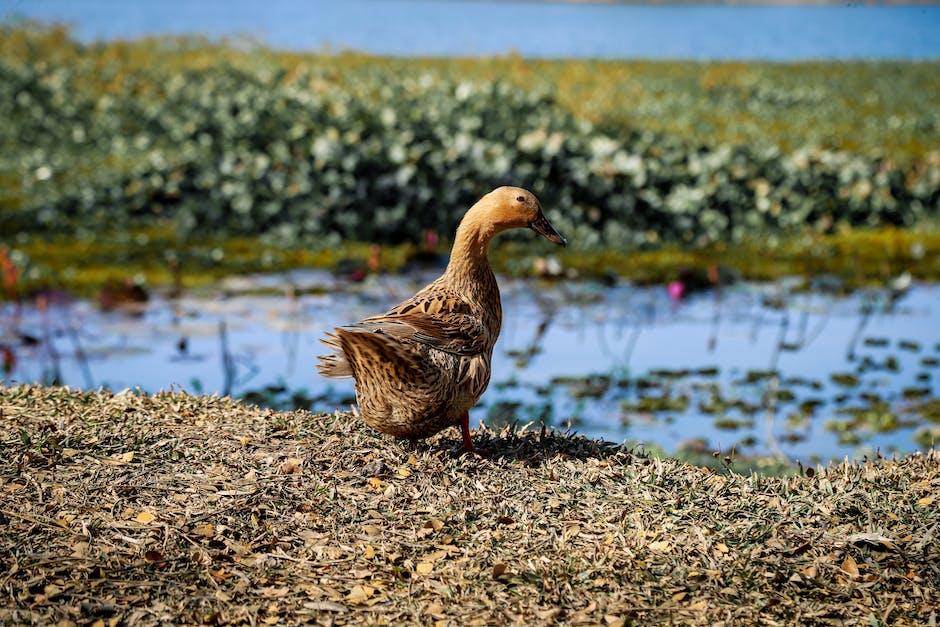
{"x": 465, "y": 432}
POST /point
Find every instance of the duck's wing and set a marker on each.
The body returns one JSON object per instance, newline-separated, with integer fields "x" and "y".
{"x": 440, "y": 319}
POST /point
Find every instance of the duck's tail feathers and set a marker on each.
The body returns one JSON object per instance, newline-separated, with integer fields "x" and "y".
{"x": 335, "y": 365}
{"x": 376, "y": 359}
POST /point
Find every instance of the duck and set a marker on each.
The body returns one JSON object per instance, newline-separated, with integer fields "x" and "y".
{"x": 419, "y": 367}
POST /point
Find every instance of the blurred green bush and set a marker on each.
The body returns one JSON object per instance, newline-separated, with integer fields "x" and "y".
{"x": 314, "y": 152}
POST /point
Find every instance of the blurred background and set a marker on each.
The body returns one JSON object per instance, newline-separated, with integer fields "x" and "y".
{"x": 609, "y": 30}
{"x": 191, "y": 194}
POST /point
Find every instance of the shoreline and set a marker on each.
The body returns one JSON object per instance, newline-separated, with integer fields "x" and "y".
{"x": 856, "y": 256}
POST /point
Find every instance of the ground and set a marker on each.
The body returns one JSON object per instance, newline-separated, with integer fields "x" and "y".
{"x": 135, "y": 509}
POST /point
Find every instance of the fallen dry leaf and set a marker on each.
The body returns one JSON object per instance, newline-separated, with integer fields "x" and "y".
{"x": 153, "y": 556}
{"x": 661, "y": 546}
{"x": 424, "y": 568}
{"x": 850, "y": 566}
{"x": 290, "y": 467}
{"x": 360, "y": 594}
{"x": 220, "y": 574}
{"x": 436, "y": 555}
{"x": 206, "y": 530}
{"x": 874, "y": 539}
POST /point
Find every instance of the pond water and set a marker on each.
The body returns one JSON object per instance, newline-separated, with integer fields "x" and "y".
{"x": 532, "y": 29}
{"x": 766, "y": 369}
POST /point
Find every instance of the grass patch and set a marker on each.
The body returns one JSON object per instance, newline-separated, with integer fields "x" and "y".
{"x": 179, "y": 509}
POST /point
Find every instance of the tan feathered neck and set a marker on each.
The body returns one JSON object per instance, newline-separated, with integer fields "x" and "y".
{"x": 486, "y": 219}
{"x": 469, "y": 259}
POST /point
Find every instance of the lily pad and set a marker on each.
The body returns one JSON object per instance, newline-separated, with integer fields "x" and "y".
{"x": 755, "y": 376}
{"x": 652, "y": 404}
{"x": 730, "y": 424}
{"x": 915, "y": 392}
{"x": 844, "y": 379}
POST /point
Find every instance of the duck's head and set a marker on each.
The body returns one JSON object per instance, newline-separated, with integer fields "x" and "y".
{"x": 514, "y": 207}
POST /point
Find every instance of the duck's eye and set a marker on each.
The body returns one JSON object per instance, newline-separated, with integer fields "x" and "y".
{"x": 520, "y": 198}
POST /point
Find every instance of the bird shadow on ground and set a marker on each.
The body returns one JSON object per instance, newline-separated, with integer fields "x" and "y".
{"x": 533, "y": 447}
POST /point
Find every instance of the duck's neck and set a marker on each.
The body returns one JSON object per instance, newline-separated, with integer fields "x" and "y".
{"x": 469, "y": 266}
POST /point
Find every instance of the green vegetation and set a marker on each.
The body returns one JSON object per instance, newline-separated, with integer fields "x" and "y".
{"x": 206, "y": 143}
{"x": 156, "y": 256}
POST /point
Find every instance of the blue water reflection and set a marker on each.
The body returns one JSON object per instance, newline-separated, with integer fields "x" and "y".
{"x": 710, "y": 353}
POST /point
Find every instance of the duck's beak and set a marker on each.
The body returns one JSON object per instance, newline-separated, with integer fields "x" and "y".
{"x": 543, "y": 227}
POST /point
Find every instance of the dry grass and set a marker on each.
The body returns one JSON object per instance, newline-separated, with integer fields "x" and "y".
{"x": 135, "y": 509}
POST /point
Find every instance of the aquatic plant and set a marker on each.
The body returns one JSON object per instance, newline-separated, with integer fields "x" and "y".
{"x": 318, "y": 149}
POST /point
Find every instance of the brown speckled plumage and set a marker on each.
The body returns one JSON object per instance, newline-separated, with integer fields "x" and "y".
{"x": 423, "y": 364}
